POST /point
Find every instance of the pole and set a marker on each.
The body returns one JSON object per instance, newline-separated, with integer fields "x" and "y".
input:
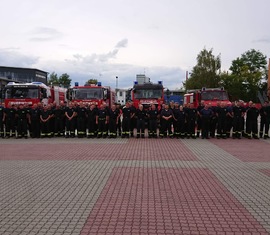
{"x": 268, "y": 83}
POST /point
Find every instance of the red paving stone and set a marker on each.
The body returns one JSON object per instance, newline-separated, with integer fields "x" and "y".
{"x": 257, "y": 150}
{"x": 168, "y": 201}
{"x": 266, "y": 172}
{"x": 132, "y": 150}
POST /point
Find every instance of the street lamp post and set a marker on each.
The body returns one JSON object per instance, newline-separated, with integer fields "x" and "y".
{"x": 116, "y": 85}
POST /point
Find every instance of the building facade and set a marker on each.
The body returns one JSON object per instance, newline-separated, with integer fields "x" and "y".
{"x": 121, "y": 96}
{"x": 23, "y": 74}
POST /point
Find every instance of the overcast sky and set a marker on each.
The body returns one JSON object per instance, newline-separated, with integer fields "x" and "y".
{"x": 102, "y": 39}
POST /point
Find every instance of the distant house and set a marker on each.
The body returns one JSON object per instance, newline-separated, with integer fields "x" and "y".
{"x": 121, "y": 96}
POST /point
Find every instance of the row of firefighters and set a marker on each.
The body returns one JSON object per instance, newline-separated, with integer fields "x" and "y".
{"x": 171, "y": 120}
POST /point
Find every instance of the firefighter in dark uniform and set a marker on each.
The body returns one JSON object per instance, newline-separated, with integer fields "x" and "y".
{"x": 199, "y": 120}
{"x": 242, "y": 105}
{"x": 252, "y": 114}
{"x": 113, "y": 121}
{"x": 23, "y": 117}
{"x": 45, "y": 115}
{"x": 2, "y": 118}
{"x": 58, "y": 114}
{"x": 160, "y": 120}
{"x": 91, "y": 121}
{"x": 141, "y": 118}
{"x": 152, "y": 117}
{"x": 106, "y": 107}
{"x": 81, "y": 120}
{"x": 10, "y": 120}
{"x": 176, "y": 113}
{"x": 206, "y": 115}
{"x": 51, "y": 108}
{"x": 102, "y": 119}
{"x": 70, "y": 114}
{"x": 222, "y": 113}
{"x": 75, "y": 106}
{"x": 192, "y": 114}
{"x": 267, "y": 122}
{"x": 185, "y": 109}
{"x": 181, "y": 122}
{"x": 263, "y": 118}
{"x": 237, "y": 112}
{"x": 126, "y": 121}
{"x": 229, "y": 120}
{"x": 35, "y": 121}
{"x": 63, "y": 106}
{"x": 133, "y": 120}
{"x": 166, "y": 115}
{"x": 119, "y": 124}
{"x": 213, "y": 121}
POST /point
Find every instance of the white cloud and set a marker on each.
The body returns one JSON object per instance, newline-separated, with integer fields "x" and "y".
{"x": 162, "y": 38}
{"x": 14, "y": 58}
{"x": 44, "y": 34}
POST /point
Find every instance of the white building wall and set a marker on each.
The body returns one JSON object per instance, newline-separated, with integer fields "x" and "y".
{"x": 121, "y": 95}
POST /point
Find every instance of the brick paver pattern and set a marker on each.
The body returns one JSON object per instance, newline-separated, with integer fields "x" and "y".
{"x": 134, "y": 186}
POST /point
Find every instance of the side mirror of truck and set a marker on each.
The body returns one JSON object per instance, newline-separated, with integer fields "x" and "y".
{"x": 44, "y": 93}
{"x": 105, "y": 94}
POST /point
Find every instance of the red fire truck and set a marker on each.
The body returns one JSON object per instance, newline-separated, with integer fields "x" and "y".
{"x": 32, "y": 93}
{"x": 208, "y": 95}
{"x": 147, "y": 94}
{"x": 92, "y": 94}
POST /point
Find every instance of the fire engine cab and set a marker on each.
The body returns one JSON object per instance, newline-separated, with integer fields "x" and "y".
{"x": 147, "y": 94}
{"x": 92, "y": 94}
{"x": 208, "y": 95}
{"x": 32, "y": 93}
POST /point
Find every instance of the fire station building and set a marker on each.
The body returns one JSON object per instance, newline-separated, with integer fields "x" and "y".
{"x": 15, "y": 74}
{"x": 23, "y": 74}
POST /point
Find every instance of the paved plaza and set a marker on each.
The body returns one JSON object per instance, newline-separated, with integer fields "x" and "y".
{"x": 134, "y": 186}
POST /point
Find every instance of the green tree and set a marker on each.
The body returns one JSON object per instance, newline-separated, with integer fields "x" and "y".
{"x": 64, "y": 80}
{"x": 232, "y": 84}
{"x": 53, "y": 80}
{"x": 247, "y": 76}
{"x": 206, "y": 73}
{"x": 254, "y": 60}
{"x": 91, "y": 81}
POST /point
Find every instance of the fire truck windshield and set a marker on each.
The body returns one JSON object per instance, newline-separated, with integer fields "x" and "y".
{"x": 88, "y": 93}
{"x": 21, "y": 93}
{"x": 214, "y": 95}
{"x": 147, "y": 94}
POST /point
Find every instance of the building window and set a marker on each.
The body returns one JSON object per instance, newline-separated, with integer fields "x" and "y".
{"x": 120, "y": 93}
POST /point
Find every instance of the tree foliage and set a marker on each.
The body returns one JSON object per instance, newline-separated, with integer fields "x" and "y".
{"x": 91, "y": 81}
{"x": 64, "y": 80}
{"x": 53, "y": 80}
{"x": 247, "y": 76}
{"x": 206, "y": 73}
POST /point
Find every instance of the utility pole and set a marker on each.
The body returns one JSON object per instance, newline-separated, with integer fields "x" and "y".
{"x": 268, "y": 81}
{"x": 116, "y": 85}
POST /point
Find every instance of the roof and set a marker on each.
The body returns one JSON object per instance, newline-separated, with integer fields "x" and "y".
{"x": 148, "y": 86}
{"x": 20, "y": 68}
